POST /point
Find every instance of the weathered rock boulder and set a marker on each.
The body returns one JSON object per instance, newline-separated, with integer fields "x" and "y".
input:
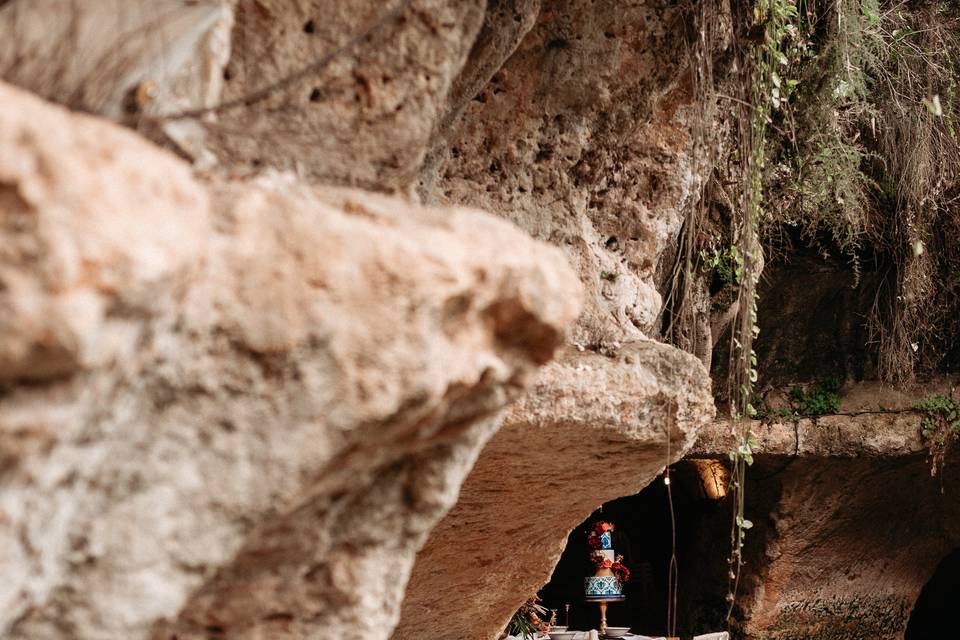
{"x": 849, "y": 523}
{"x": 583, "y": 137}
{"x": 237, "y": 409}
{"x": 572, "y": 119}
{"x": 592, "y": 428}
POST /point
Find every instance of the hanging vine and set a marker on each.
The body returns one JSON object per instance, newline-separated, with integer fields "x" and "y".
{"x": 763, "y": 54}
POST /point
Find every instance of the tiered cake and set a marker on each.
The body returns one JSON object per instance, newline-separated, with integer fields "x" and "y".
{"x": 607, "y": 583}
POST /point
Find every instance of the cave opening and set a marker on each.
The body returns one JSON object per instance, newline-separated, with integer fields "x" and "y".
{"x": 643, "y": 523}
{"x": 935, "y": 610}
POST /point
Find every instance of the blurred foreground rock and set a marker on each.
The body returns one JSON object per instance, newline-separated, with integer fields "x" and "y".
{"x": 237, "y": 408}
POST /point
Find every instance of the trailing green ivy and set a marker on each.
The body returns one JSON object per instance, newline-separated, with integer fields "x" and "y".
{"x": 725, "y": 263}
{"x": 939, "y": 426}
{"x": 774, "y": 42}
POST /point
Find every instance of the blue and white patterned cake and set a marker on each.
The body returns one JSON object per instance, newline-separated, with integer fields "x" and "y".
{"x": 606, "y": 542}
{"x": 603, "y": 588}
{"x": 606, "y": 583}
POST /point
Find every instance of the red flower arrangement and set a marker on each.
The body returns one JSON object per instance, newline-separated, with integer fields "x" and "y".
{"x": 599, "y": 561}
{"x": 599, "y": 528}
{"x": 527, "y": 621}
{"x": 620, "y": 570}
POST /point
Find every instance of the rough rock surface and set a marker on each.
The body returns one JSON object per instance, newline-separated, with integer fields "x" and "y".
{"x": 591, "y": 429}
{"x": 365, "y": 118}
{"x": 583, "y": 139}
{"x": 865, "y": 434}
{"x": 255, "y": 397}
{"x": 848, "y": 544}
{"x": 849, "y": 523}
{"x": 874, "y": 420}
{"x": 570, "y": 118}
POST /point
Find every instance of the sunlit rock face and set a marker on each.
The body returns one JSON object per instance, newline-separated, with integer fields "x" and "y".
{"x": 569, "y": 445}
{"x": 272, "y": 391}
{"x": 583, "y": 139}
{"x": 237, "y": 405}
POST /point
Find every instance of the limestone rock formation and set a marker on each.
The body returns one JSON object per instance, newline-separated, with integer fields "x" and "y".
{"x": 583, "y": 138}
{"x": 572, "y": 119}
{"x": 564, "y": 449}
{"x": 847, "y": 545}
{"x": 848, "y": 523}
{"x": 255, "y": 398}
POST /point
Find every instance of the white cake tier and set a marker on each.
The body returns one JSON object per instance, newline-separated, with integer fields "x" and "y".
{"x": 606, "y": 553}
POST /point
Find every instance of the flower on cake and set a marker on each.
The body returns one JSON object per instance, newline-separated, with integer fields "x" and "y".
{"x": 620, "y": 570}
{"x": 599, "y": 528}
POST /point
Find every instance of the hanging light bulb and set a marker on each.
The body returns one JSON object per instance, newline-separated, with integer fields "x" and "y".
{"x": 666, "y": 480}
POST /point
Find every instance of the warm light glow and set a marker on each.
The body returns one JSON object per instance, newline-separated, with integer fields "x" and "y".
{"x": 714, "y": 476}
{"x": 666, "y": 480}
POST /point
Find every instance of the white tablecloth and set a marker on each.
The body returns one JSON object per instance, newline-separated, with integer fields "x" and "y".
{"x": 585, "y": 635}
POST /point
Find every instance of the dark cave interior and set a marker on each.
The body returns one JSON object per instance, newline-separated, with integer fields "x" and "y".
{"x": 702, "y": 519}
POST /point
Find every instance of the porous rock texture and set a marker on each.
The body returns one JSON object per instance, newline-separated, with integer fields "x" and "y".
{"x": 844, "y": 546}
{"x": 849, "y": 523}
{"x": 570, "y": 118}
{"x": 364, "y": 117}
{"x": 235, "y": 409}
{"x": 583, "y": 138}
{"x": 592, "y": 428}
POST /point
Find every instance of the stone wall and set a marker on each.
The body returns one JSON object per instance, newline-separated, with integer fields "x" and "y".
{"x": 849, "y": 523}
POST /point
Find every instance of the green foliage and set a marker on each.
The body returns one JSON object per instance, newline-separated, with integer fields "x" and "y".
{"x": 940, "y": 427}
{"x": 725, "y": 263}
{"x": 938, "y": 410}
{"x": 528, "y": 620}
{"x": 766, "y": 91}
{"x": 864, "y": 156}
{"x": 819, "y": 178}
{"x": 821, "y": 399}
